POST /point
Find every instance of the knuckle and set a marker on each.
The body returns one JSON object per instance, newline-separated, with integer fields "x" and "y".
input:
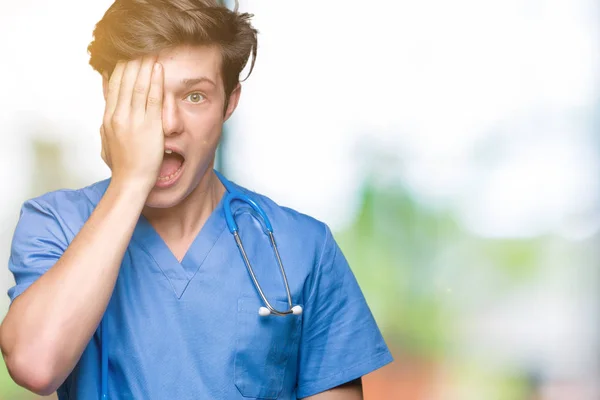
{"x": 139, "y": 89}
{"x": 154, "y": 100}
{"x": 119, "y": 120}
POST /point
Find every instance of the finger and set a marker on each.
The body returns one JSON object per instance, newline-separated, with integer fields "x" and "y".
{"x": 126, "y": 90}
{"x": 155, "y": 95}
{"x": 142, "y": 86}
{"x": 114, "y": 84}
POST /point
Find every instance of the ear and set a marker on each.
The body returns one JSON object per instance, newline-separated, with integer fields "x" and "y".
{"x": 234, "y": 98}
{"x": 105, "y": 85}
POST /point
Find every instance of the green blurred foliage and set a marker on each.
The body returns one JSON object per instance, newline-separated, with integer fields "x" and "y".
{"x": 391, "y": 247}
{"x": 421, "y": 271}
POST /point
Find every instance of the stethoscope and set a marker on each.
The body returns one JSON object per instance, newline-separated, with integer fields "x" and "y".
{"x": 266, "y": 310}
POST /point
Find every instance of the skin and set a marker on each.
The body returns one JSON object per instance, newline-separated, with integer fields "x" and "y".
{"x": 192, "y": 119}
{"x": 149, "y": 108}
{"x": 348, "y": 391}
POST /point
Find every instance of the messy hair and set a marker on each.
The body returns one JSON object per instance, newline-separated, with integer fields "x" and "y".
{"x": 133, "y": 28}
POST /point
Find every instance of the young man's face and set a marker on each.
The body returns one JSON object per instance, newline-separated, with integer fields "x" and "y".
{"x": 192, "y": 117}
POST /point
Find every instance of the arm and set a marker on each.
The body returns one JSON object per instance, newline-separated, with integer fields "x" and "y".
{"x": 340, "y": 340}
{"x": 348, "y": 391}
{"x": 49, "y": 325}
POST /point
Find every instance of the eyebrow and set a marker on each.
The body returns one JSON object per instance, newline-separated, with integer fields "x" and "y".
{"x": 188, "y": 82}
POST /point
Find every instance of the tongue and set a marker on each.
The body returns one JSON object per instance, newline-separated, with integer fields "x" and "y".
{"x": 171, "y": 163}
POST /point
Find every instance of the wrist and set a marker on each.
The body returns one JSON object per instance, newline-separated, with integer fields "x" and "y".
{"x": 131, "y": 191}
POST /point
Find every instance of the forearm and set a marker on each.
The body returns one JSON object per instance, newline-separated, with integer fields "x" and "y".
{"x": 348, "y": 391}
{"x": 49, "y": 325}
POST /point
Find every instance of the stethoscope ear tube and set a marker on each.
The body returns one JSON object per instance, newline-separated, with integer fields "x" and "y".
{"x": 231, "y": 224}
{"x": 265, "y": 312}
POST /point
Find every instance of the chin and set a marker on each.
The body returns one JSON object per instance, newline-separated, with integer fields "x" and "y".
{"x": 161, "y": 197}
{"x": 168, "y": 196}
{"x": 164, "y": 199}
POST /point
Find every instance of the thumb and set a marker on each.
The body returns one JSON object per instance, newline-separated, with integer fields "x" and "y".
{"x": 103, "y": 152}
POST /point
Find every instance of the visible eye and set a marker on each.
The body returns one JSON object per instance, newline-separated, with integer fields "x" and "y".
{"x": 195, "y": 97}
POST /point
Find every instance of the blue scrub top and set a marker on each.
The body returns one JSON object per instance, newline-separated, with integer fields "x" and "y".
{"x": 191, "y": 329}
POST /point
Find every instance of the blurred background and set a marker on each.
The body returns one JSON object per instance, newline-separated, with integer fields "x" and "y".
{"x": 452, "y": 147}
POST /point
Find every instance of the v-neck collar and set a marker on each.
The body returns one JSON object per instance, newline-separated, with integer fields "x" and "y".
{"x": 179, "y": 274}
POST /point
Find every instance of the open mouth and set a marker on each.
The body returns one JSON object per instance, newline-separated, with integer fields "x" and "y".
{"x": 171, "y": 166}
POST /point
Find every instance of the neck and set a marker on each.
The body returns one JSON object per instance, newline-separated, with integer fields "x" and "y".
{"x": 187, "y": 218}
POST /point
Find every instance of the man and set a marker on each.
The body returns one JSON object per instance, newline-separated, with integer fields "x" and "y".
{"x": 148, "y": 256}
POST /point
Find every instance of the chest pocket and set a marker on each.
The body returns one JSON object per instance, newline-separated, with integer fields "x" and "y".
{"x": 264, "y": 346}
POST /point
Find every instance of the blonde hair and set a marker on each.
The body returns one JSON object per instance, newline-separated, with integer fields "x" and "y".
{"x": 132, "y": 28}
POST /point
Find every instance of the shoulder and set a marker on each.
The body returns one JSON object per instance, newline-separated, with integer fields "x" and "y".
{"x": 66, "y": 206}
{"x": 65, "y": 198}
{"x": 290, "y": 222}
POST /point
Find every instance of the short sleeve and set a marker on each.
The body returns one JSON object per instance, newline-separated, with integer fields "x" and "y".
{"x": 37, "y": 244}
{"x": 340, "y": 338}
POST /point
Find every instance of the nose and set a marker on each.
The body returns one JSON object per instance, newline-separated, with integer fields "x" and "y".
{"x": 171, "y": 118}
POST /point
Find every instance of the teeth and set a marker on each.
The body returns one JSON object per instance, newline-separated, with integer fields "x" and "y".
{"x": 168, "y": 178}
{"x": 168, "y": 151}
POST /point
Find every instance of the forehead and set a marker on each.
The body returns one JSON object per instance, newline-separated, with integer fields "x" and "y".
{"x": 184, "y": 62}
